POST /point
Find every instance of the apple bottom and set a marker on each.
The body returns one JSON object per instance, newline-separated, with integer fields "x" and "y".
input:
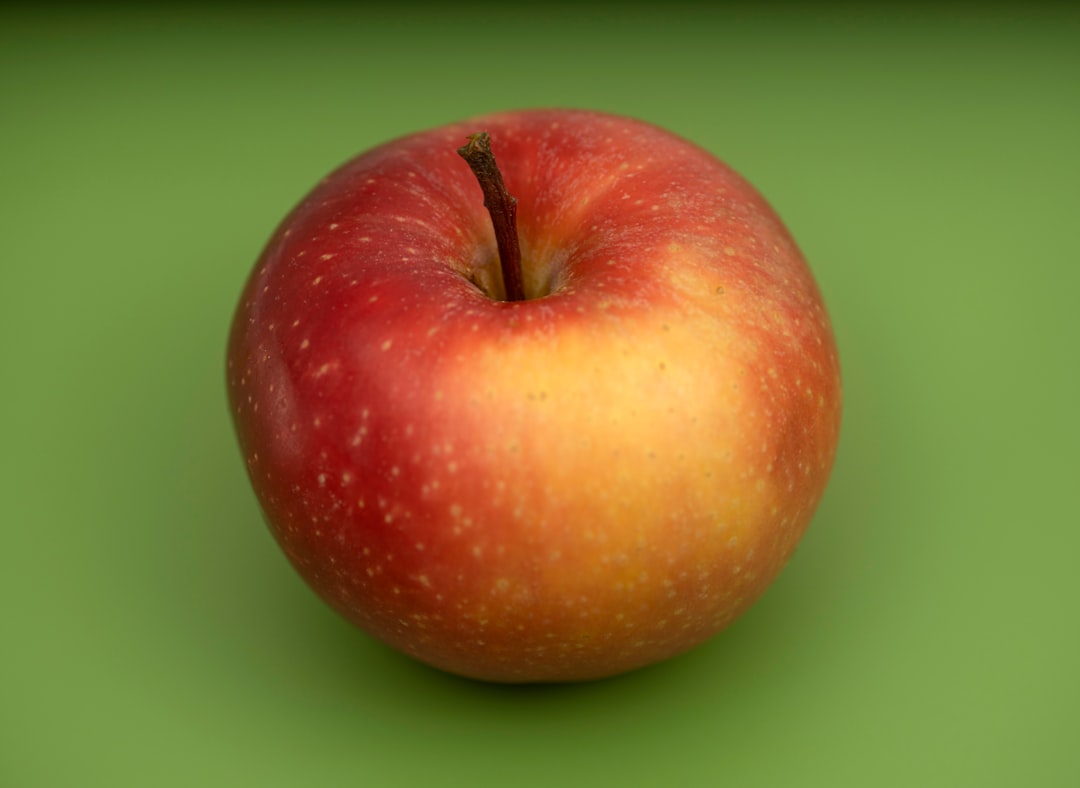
{"x": 563, "y": 522}
{"x": 540, "y": 511}
{"x": 546, "y": 603}
{"x": 568, "y": 640}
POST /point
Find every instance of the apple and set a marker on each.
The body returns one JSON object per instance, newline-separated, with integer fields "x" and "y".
{"x": 583, "y": 455}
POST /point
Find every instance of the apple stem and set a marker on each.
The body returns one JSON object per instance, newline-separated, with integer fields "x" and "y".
{"x": 503, "y": 210}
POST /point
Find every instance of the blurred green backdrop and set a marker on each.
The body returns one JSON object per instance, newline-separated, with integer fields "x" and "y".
{"x": 926, "y": 632}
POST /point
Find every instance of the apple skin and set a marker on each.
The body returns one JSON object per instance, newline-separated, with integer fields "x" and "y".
{"x": 557, "y": 489}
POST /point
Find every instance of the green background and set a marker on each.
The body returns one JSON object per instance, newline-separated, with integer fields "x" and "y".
{"x": 926, "y": 633}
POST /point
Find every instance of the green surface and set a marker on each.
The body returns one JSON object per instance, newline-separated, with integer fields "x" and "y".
{"x": 927, "y": 631}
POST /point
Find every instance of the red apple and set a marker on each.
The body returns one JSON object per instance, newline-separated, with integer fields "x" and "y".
{"x": 565, "y": 487}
